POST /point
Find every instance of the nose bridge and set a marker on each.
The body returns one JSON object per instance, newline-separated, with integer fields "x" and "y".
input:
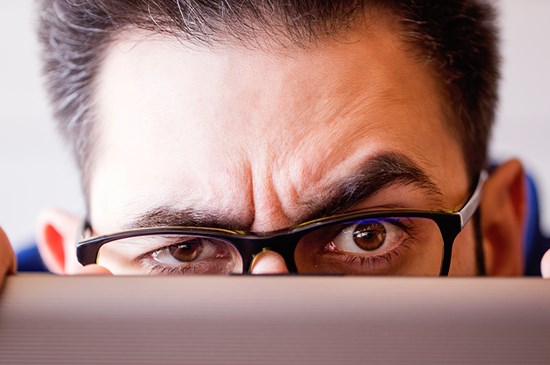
{"x": 272, "y": 194}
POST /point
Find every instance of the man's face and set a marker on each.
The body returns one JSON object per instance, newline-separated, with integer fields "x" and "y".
{"x": 262, "y": 140}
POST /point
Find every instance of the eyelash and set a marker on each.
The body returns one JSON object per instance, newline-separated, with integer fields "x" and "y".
{"x": 146, "y": 262}
{"x": 375, "y": 261}
{"x": 165, "y": 270}
{"x": 155, "y": 269}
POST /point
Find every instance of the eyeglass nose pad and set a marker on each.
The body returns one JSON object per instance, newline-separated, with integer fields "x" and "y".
{"x": 268, "y": 262}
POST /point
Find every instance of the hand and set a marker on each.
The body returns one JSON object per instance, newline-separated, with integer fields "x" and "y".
{"x": 545, "y": 265}
{"x": 7, "y": 257}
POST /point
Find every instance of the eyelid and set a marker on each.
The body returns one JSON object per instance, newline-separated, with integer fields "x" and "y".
{"x": 145, "y": 258}
{"x": 156, "y": 247}
{"x": 167, "y": 241}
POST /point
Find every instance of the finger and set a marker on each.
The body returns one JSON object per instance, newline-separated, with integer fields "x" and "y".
{"x": 7, "y": 257}
{"x": 545, "y": 265}
{"x": 93, "y": 270}
{"x": 268, "y": 262}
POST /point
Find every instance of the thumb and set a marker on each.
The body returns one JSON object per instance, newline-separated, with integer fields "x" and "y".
{"x": 268, "y": 262}
{"x": 545, "y": 265}
{"x": 7, "y": 257}
{"x": 93, "y": 270}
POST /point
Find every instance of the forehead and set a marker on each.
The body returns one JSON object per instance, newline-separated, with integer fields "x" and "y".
{"x": 249, "y": 131}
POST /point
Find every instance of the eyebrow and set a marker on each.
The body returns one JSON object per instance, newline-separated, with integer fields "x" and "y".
{"x": 372, "y": 176}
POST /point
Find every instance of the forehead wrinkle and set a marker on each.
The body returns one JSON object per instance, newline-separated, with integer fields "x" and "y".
{"x": 331, "y": 103}
{"x": 301, "y": 158}
{"x": 340, "y": 124}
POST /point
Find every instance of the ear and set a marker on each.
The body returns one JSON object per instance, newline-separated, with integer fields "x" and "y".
{"x": 57, "y": 233}
{"x": 503, "y": 212}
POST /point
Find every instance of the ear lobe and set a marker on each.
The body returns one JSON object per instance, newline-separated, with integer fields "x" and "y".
{"x": 57, "y": 231}
{"x": 503, "y": 211}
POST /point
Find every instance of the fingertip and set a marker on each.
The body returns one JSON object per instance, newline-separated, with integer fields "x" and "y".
{"x": 4, "y": 241}
{"x": 8, "y": 261}
{"x": 93, "y": 270}
{"x": 545, "y": 265}
{"x": 268, "y": 262}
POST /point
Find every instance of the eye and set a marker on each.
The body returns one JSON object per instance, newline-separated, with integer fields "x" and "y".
{"x": 370, "y": 237}
{"x": 190, "y": 251}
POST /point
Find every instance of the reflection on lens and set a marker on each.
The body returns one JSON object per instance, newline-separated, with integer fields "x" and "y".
{"x": 381, "y": 246}
{"x": 170, "y": 255}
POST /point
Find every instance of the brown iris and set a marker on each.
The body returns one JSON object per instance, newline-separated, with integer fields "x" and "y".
{"x": 369, "y": 237}
{"x": 187, "y": 251}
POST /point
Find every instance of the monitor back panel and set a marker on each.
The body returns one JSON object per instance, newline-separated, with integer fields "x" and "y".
{"x": 46, "y": 319}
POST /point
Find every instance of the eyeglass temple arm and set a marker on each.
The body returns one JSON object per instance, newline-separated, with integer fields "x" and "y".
{"x": 473, "y": 203}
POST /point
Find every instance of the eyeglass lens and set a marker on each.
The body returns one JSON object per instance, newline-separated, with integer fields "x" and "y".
{"x": 381, "y": 246}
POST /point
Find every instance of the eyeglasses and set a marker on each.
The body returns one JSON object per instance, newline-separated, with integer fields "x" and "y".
{"x": 389, "y": 242}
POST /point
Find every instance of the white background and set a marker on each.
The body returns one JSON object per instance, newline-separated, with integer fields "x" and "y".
{"x": 37, "y": 171}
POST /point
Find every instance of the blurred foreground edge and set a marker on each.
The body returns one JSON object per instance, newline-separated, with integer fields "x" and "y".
{"x": 46, "y": 319}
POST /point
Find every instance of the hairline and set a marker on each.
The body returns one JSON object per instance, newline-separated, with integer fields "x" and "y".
{"x": 87, "y": 162}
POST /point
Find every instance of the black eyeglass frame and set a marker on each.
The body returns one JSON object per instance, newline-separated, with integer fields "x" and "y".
{"x": 284, "y": 241}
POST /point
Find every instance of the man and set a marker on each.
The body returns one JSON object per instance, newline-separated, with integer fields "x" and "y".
{"x": 258, "y": 116}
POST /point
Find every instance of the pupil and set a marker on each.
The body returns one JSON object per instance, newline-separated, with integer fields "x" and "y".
{"x": 186, "y": 252}
{"x": 369, "y": 237}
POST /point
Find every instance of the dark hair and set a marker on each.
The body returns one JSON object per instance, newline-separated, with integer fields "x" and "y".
{"x": 457, "y": 37}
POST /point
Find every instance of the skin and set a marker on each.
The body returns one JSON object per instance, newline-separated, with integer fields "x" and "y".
{"x": 257, "y": 136}
{"x": 222, "y": 133}
{"x": 7, "y": 257}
